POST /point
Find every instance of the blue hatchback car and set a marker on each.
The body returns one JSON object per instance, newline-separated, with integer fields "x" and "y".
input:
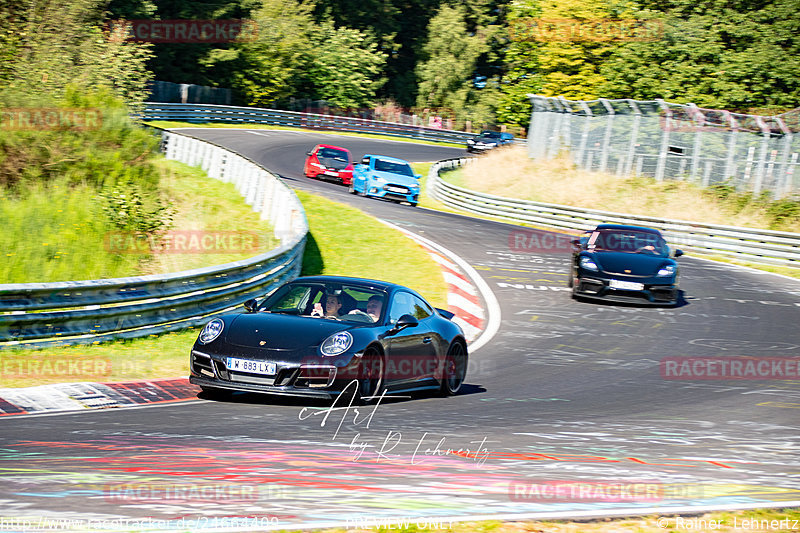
{"x": 381, "y": 176}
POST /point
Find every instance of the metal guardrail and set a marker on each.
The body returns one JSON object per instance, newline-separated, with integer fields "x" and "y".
{"x": 253, "y": 115}
{"x": 754, "y": 245}
{"x": 82, "y": 312}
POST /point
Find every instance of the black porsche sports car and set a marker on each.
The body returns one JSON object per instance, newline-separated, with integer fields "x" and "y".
{"x": 322, "y": 336}
{"x": 625, "y": 264}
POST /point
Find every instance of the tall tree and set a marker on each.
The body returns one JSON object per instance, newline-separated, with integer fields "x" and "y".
{"x": 715, "y": 53}
{"x": 55, "y": 45}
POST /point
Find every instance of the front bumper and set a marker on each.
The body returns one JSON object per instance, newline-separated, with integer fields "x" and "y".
{"x": 651, "y": 294}
{"x": 310, "y": 379}
{"x": 393, "y": 192}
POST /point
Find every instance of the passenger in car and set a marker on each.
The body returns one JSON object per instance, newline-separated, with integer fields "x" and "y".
{"x": 332, "y": 306}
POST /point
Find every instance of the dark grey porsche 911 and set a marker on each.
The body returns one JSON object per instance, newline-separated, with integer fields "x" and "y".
{"x": 323, "y": 336}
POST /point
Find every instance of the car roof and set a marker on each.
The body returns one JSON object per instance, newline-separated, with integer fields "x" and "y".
{"x": 373, "y": 283}
{"x": 388, "y": 158}
{"x": 626, "y": 227}
{"x": 332, "y": 146}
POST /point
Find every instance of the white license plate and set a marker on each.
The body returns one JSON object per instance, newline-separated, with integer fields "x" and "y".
{"x": 331, "y": 173}
{"x": 251, "y": 367}
{"x": 396, "y": 189}
{"x": 625, "y": 285}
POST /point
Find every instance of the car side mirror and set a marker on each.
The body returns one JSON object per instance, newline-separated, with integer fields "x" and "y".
{"x": 418, "y": 176}
{"x": 251, "y": 305}
{"x": 405, "y": 321}
{"x": 576, "y": 243}
{"x": 678, "y": 253}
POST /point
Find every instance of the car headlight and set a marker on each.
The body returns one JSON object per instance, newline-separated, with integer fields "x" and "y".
{"x": 667, "y": 270}
{"x": 416, "y": 186}
{"x": 318, "y": 166}
{"x": 336, "y": 344}
{"x": 379, "y": 179}
{"x": 470, "y": 141}
{"x": 588, "y": 264}
{"x": 211, "y": 331}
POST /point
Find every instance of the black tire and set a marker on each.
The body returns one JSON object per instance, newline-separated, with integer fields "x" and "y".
{"x": 455, "y": 369}
{"x": 570, "y": 281}
{"x": 370, "y": 377}
{"x": 352, "y": 189}
{"x": 413, "y": 204}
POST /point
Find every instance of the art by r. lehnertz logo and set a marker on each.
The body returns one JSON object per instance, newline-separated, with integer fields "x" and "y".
{"x": 182, "y": 31}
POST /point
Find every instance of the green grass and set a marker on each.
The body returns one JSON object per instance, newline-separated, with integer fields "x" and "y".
{"x": 59, "y": 232}
{"x": 170, "y": 124}
{"x": 342, "y": 241}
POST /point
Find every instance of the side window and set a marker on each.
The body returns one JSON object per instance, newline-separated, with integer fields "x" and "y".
{"x": 407, "y": 304}
{"x": 401, "y": 305}
{"x": 421, "y": 309}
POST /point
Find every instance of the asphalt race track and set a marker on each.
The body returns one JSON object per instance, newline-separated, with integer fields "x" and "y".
{"x": 567, "y": 410}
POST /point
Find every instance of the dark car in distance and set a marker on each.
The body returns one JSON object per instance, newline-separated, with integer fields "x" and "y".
{"x": 322, "y": 336}
{"x": 488, "y": 140}
{"x": 624, "y": 264}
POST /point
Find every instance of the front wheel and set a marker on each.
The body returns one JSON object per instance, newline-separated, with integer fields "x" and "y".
{"x": 370, "y": 379}
{"x": 351, "y": 190}
{"x": 455, "y": 369}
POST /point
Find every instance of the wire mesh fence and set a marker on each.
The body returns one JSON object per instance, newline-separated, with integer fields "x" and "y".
{"x": 670, "y": 141}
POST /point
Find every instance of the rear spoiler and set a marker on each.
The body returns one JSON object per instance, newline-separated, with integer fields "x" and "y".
{"x": 447, "y": 314}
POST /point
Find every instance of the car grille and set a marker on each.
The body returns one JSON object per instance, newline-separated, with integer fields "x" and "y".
{"x": 396, "y": 189}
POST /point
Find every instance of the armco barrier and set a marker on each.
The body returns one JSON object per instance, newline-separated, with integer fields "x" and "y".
{"x": 754, "y": 245}
{"x": 82, "y": 312}
{"x": 275, "y": 117}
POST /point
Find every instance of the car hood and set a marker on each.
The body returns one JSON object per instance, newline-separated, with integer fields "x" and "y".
{"x": 640, "y": 264}
{"x": 279, "y": 332}
{"x": 399, "y": 179}
{"x": 330, "y": 162}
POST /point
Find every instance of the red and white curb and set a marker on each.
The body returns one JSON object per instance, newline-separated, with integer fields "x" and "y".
{"x": 68, "y": 397}
{"x": 465, "y": 289}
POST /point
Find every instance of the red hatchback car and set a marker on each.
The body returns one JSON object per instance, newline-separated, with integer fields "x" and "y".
{"x": 329, "y": 162}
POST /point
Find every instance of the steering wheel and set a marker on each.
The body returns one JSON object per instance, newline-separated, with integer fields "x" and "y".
{"x": 361, "y": 314}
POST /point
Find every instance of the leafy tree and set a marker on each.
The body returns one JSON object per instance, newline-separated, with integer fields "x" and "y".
{"x": 269, "y": 68}
{"x": 447, "y": 67}
{"x": 344, "y": 66}
{"x": 734, "y": 55}
{"x": 54, "y": 46}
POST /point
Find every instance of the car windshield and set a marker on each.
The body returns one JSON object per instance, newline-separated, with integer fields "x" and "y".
{"x": 394, "y": 167}
{"x": 331, "y": 153}
{"x": 628, "y": 241}
{"x": 331, "y": 301}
